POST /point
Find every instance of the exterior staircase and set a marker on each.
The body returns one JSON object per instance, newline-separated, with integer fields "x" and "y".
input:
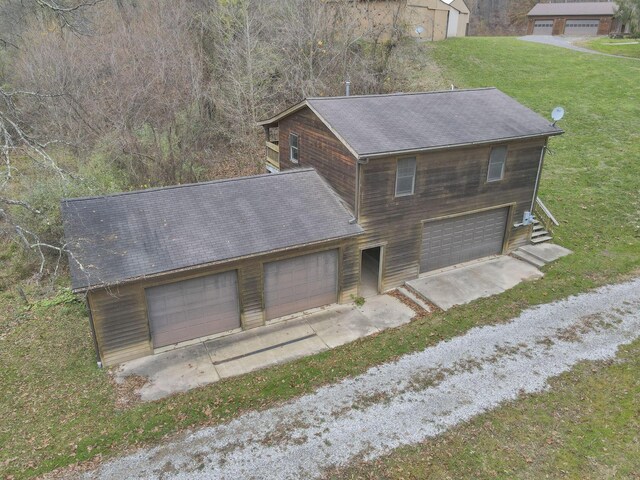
{"x": 539, "y": 234}
{"x": 414, "y": 297}
{"x": 543, "y": 222}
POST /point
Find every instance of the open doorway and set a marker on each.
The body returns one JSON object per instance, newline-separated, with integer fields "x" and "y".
{"x": 370, "y": 272}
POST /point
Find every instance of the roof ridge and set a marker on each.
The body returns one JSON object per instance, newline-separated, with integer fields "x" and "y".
{"x": 403, "y": 94}
{"x": 195, "y": 184}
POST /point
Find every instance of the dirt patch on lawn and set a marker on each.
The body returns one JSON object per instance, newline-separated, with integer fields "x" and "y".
{"x": 128, "y": 391}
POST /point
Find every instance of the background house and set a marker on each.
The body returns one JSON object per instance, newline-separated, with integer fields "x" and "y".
{"x": 575, "y": 18}
{"x": 425, "y": 19}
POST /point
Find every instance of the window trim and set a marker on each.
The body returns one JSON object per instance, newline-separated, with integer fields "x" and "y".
{"x": 504, "y": 163}
{"x": 291, "y": 148}
{"x": 415, "y": 172}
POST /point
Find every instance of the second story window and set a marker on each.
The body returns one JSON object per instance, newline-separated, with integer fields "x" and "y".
{"x": 497, "y": 159}
{"x": 294, "y": 152}
{"x": 406, "y": 177}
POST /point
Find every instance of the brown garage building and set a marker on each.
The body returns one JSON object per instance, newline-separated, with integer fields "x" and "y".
{"x": 373, "y": 191}
{"x": 165, "y": 266}
{"x": 576, "y": 18}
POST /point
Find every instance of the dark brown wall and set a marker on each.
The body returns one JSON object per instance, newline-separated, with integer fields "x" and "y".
{"x": 120, "y": 314}
{"x": 606, "y": 24}
{"x": 447, "y": 182}
{"x": 319, "y": 148}
{"x": 558, "y": 26}
{"x": 605, "y": 27}
{"x": 120, "y": 322}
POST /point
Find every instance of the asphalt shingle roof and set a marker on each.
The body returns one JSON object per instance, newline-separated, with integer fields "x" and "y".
{"x": 379, "y": 124}
{"x": 573, "y": 8}
{"x": 131, "y": 235}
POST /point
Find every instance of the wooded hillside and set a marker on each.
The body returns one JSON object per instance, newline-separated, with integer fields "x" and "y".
{"x": 98, "y": 96}
{"x": 102, "y": 96}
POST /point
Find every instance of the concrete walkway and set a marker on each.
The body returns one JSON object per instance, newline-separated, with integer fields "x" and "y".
{"x": 541, "y": 254}
{"x": 202, "y": 363}
{"x": 400, "y": 403}
{"x": 206, "y": 362}
{"x": 467, "y": 282}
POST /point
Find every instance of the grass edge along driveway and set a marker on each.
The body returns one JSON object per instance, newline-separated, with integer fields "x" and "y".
{"x": 626, "y": 47}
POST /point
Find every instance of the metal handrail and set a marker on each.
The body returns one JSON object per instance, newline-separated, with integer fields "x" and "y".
{"x": 546, "y": 212}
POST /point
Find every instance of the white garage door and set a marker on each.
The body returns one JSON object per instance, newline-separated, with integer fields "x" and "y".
{"x": 452, "y": 26}
{"x": 300, "y": 283}
{"x": 581, "y": 27}
{"x": 542, "y": 27}
{"x": 460, "y": 239}
{"x": 193, "y": 308}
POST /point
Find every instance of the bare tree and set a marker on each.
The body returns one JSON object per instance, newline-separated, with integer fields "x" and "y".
{"x": 139, "y": 93}
{"x": 629, "y": 13}
{"x": 19, "y": 141}
{"x": 136, "y": 84}
{"x": 517, "y": 12}
{"x": 264, "y": 55}
{"x": 241, "y": 62}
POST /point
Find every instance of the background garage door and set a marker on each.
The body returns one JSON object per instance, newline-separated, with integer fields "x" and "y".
{"x": 193, "y": 308}
{"x": 542, "y": 27}
{"x": 299, "y": 283}
{"x": 581, "y": 27}
{"x": 460, "y": 239}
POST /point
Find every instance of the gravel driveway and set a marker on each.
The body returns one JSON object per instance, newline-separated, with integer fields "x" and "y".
{"x": 405, "y": 402}
{"x": 562, "y": 42}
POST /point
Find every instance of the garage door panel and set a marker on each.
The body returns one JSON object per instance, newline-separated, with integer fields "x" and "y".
{"x": 193, "y": 308}
{"x": 461, "y": 239}
{"x": 170, "y": 337}
{"x": 300, "y": 283}
{"x": 581, "y": 27}
{"x": 542, "y": 27}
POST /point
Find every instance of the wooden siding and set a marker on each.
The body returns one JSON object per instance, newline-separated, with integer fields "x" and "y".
{"x": 558, "y": 26}
{"x": 447, "y": 182}
{"x": 349, "y": 272}
{"x": 319, "y": 148}
{"x": 384, "y": 17}
{"x": 120, "y": 315}
{"x": 606, "y": 26}
{"x": 250, "y": 286}
{"x": 120, "y": 323}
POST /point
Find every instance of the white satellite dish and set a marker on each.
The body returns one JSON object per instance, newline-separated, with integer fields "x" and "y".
{"x": 557, "y": 114}
{"x": 419, "y": 30}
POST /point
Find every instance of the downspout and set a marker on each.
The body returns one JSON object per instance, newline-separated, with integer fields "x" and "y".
{"x": 537, "y": 184}
{"x": 359, "y": 162}
{"x": 93, "y": 332}
{"x": 356, "y": 212}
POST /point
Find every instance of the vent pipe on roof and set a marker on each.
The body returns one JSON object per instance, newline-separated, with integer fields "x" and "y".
{"x": 347, "y": 88}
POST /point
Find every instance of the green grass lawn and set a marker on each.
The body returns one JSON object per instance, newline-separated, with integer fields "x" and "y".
{"x": 57, "y": 408}
{"x": 628, "y": 47}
